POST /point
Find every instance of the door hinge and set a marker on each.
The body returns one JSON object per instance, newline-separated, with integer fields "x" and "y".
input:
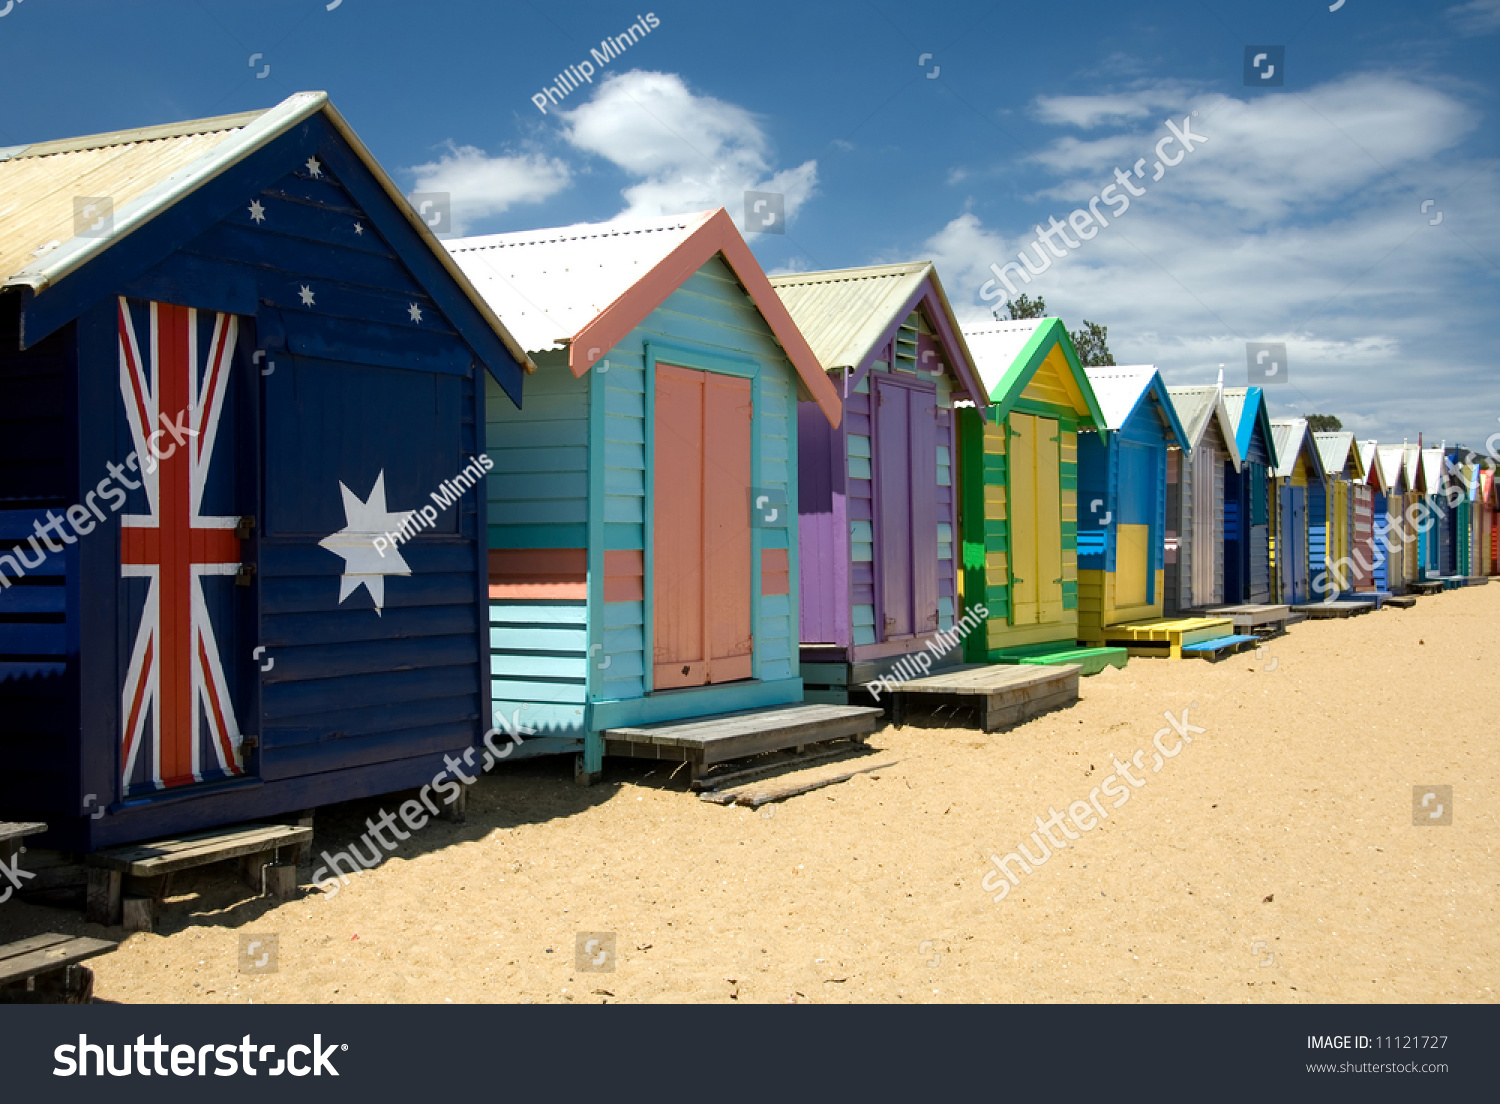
{"x": 245, "y": 575}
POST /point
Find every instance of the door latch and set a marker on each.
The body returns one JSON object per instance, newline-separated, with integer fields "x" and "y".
{"x": 245, "y": 575}
{"x": 245, "y": 529}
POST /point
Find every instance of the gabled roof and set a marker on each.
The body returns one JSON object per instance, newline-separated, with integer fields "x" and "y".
{"x": 849, "y": 314}
{"x": 1392, "y": 461}
{"x": 1122, "y": 391}
{"x": 1197, "y": 407}
{"x": 585, "y": 287}
{"x": 147, "y": 171}
{"x": 1237, "y": 400}
{"x": 1294, "y": 438}
{"x": 1375, "y": 475}
{"x": 1008, "y": 354}
{"x": 1337, "y": 450}
{"x": 1411, "y": 460}
{"x": 1432, "y": 470}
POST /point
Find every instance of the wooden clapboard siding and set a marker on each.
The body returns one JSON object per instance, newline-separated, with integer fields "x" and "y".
{"x": 366, "y": 372}
{"x": 707, "y": 323}
{"x": 538, "y": 492}
{"x": 38, "y": 697}
{"x": 1020, "y": 497}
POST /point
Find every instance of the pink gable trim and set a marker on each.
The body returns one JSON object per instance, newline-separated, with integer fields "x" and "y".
{"x": 716, "y": 235}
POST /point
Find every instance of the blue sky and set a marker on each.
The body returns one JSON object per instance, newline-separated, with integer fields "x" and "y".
{"x": 1300, "y": 219}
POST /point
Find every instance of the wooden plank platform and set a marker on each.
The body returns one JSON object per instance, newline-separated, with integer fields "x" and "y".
{"x": 12, "y": 832}
{"x": 1401, "y": 601}
{"x": 44, "y": 954}
{"x": 1322, "y": 611}
{"x": 1477, "y": 580}
{"x": 1090, "y": 660}
{"x": 1426, "y": 586}
{"x": 832, "y": 682}
{"x": 1215, "y": 649}
{"x": 150, "y": 865}
{"x": 1007, "y": 694}
{"x": 702, "y": 742}
{"x": 1165, "y": 636}
{"x": 1263, "y": 620}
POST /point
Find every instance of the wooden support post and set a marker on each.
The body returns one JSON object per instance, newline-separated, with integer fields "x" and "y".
{"x": 104, "y": 897}
{"x": 581, "y": 774}
{"x": 252, "y": 866}
{"x": 138, "y": 914}
{"x": 458, "y": 810}
{"x": 281, "y": 880}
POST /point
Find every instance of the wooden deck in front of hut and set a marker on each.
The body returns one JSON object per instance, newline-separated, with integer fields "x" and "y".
{"x": 1261, "y": 620}
{"x": 1005, "y": 695}
{"x": 1090, "y": 658}
{"x": 1343, "y": 607}
{"x": 839, "y": 682}
{"x": 1166, "y": 636}
{"x": 703, "y": 742}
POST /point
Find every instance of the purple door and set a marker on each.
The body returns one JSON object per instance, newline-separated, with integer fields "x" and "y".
{"x": 906, "y": 535}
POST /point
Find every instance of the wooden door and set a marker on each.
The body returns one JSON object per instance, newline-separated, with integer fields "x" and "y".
{"x": 701, "y": 542}
{"x": 905, "y": 510}
{"x": 1363, "y": 543}
{"x": 1205, "y": 528}
{"x": 1035, "y": 520}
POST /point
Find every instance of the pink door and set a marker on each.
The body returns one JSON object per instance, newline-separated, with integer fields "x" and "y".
{"x": 701, "y": 545}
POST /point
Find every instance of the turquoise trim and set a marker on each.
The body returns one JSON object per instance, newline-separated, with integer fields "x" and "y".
{"x": 674, "y": 705}
{"x": 593, "y": 748}
{"x": 726, "y": 364}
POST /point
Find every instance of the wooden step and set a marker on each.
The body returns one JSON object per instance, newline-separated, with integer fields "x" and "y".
{"x": 1166, "y": 635}
{"x": 42, "y": 954}
{"x": 1323, "y": 611}
{"x": 1219, "y": 647}
{"x": 1005, "y": 694}
{"x": 702, "y": 742}
{"x": 1264, "y": 620}
{"x": 1401, "y": 601}
{"x": 1090, "y": 660}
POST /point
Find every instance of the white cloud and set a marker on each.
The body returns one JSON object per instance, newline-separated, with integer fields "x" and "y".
{"x": 1298, "y": 221}
{"x": 481, "y": 186}
{"x": 1477, "y": 16}
{"x": 1087, "y": 112}
{"x": 691, "y": 152}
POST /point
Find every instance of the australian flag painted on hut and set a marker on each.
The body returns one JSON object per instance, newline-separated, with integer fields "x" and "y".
{"x": 241, "y": 524}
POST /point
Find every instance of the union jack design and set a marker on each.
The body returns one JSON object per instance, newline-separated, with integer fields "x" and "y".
{"x": 176, "y": 706}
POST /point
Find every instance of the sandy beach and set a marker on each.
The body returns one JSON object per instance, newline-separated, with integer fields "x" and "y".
{"x": 1272, "y": 859}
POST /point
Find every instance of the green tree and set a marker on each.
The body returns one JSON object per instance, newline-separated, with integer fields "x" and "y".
{"x": 1092, "y": 343}
{"x": 1023, "y": 306}
{"x": 1323, "y": 423}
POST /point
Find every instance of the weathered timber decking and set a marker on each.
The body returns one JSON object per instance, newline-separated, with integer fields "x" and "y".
{"x": 834, "y": 682}
{"x": 1262, "y": 620}
{"x": 702, "y": 742}
{"x": 1427, "y": 586}
{"x": 149, "y": 865}
{"x": 1401, "y": 601}
{"x": 1322, "y": 611}
{"x": 1010, "y": 694}
{"x": 42, "y": 957}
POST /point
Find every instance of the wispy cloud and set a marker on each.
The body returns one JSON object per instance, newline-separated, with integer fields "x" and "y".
{"x": 481, "y": 186}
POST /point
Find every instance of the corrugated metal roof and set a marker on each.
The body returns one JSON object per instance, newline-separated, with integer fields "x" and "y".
{"x": 144, "y": 172}
{"x": 843, "y": 312}
{"x": 1195, "y": 405}
{"x": 549, "y": 284}
{"x": 38, "y": 183}
{"x": 1119, "y": 389}
{"x": 1293, "y": 436}
{"x": 1334, "y": 447}
{"x": 1234, "y": 402}
{"x": 997, "y": 345}
{"x": 1392, "y": 465}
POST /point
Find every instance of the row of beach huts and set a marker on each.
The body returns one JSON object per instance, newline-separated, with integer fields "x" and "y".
{"x": 296, "y": 500}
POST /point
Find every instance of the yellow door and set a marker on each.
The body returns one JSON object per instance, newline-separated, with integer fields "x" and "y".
{"x": 1035, "y": 520}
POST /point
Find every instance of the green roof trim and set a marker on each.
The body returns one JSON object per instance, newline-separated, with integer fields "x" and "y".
{"x": 1050, "y": 333}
